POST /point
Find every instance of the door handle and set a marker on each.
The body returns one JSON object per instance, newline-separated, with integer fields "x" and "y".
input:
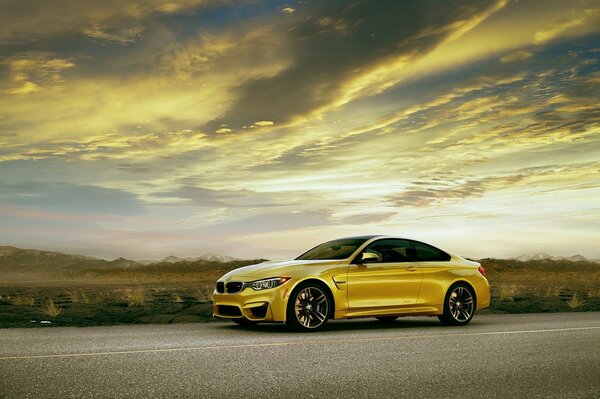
{"x": 410, "y": 269}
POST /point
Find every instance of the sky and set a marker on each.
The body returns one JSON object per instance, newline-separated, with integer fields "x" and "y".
{"x": 248, "y": 128}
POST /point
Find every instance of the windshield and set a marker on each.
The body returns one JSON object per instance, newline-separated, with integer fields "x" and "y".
{"x": 336, "y": 249}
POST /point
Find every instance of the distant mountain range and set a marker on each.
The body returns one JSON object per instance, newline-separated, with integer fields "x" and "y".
{"x": 18, "y": 259}
{"x": 34, "y": 257}
{"x": 545, "y": 256}
{"x": 19, "y": 263}
{"x": 208, "y": 257}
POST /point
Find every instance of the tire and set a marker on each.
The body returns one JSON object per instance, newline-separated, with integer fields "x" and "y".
{"x": 459, "y": 305}
{"x": 386, "y": 319}
{"x": 244, "y": 322}
{"x": 308, "y": 308}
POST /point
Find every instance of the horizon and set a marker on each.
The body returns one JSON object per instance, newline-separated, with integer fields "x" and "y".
{"x": 261, "y": 129}
{"x": 201, "y": 254}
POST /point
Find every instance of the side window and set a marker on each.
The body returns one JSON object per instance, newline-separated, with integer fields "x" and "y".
{"x": 427, "y": 253}
{"x": 391, "y": 250}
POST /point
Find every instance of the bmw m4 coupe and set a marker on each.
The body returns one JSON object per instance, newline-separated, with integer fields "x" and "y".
{"x": 366, "y": 276}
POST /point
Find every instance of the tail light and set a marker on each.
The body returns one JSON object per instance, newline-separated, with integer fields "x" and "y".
{"x": 481, "y": 270}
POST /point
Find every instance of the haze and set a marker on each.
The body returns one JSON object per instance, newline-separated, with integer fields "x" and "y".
{"x": 259, "y": 129}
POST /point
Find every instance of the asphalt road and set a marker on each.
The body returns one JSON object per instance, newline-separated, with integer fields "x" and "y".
{"x": 503, "y": 356}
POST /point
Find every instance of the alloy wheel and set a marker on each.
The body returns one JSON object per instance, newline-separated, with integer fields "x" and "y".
{"x": 460, "y": 303}
{"x": 311, "y": 307}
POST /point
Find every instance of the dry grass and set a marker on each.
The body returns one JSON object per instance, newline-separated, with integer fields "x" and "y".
{"x": 176, "y": 298}
{"x": 85, "y": 299}
{"x": 22, "y": 300}
{"x": 508, "y": 292}
{"x": 73, "y": 296}
{"x": 135, "y": 297}
{"x": 51, "y": 309}
{"x": 552, "y": 291}
{"x": 204, "y": 294}
{"x": 593, "y": 293}
{"x": 78, "y": 297}
{"x": 575, "y": 301}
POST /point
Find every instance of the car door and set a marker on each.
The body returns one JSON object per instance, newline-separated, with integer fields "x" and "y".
{"x": 436, "y": 272}
{"x": 392, "y": 280}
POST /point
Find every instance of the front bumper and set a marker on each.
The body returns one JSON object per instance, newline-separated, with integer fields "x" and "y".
{"x": 264, "y": 305}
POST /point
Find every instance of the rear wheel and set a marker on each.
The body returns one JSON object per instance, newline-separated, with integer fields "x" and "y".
{"x": 386, "y": 319}
{"x": 244, "y": 322}
{"x": 459, "y": 305}
{"x": 308, "y": 308}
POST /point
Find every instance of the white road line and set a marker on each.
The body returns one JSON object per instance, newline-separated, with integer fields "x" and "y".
{"x": 304, "y": 342}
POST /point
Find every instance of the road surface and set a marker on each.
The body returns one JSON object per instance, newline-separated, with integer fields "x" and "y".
{"x": 496, "y": 356}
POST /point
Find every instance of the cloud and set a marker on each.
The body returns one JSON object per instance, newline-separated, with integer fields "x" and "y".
{"x": 110, "y": 146}
{"x": 121, "y": 35}
{"x": 113, "y": 20}
{"x": 428, "y": 196}
{"x": 33, "y": 71}
{"x": 165, "y": 87}
{"x": 262, "y": 124}
{"x": 516, "y": 56}
{"x": 552, "y": 32}
{"x": 270, "y": 222}
{"x": 199, "y": 196}
{"x": 71, "y": 198}
{"x": 442, "y": 191}
{"x": 240, "y": 53}
{"x": 373, "y": 36}
{"x": 212, "y": 198}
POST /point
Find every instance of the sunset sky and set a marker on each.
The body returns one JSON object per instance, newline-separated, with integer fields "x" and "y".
{"x": 148, "y": 128}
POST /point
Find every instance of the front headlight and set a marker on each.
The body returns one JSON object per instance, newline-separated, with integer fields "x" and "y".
{"x": 267, "y": 283}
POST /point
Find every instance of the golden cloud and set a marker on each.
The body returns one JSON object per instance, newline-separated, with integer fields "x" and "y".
{"x": 30, "y": 20}
{"x": 519, "y": 55}
{"x": 122, "y": 35}
{"x": 29, "y": 72}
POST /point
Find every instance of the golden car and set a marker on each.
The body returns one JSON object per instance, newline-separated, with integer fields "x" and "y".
{"x": 366, "y": 276}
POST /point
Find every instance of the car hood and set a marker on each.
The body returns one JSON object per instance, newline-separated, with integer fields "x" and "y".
{"x": 288, "y": 268}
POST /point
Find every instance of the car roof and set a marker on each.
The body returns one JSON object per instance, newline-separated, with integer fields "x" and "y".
{"x": 366, "y": 237}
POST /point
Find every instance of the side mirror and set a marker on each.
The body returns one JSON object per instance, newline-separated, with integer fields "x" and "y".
{"x": 369, "y": 257}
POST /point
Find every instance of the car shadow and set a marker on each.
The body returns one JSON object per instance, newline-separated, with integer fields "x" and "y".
{"x": 401, "y": 323}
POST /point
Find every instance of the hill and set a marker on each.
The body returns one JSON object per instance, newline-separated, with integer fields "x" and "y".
{"x": 18, "y": 263}
{"x": 32, "y": 265}
{"x": 545, "y": 256}
{"x": 208, "y": 257}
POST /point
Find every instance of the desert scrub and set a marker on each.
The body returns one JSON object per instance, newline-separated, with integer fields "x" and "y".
{"x": 22, "y": 300}
{"x": 552, "y": 291}
{"x": 78, "y": 297}
{"x": 575, "y": 301}
{"x": 51, "y": 309}
{"x": 204, "y": 294}
{"x": 135, "y": 297}
{"x": 593, "y": 294}
{"x": 176, "y": 298}
{"x": 508, "y": 292}
{"x": 84, "y": 298}
{"x": 73, "y": 296}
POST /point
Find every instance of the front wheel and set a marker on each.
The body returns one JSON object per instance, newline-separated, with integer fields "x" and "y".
{"x": 459, "y": 305}
{"x": 308, "y": 308}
